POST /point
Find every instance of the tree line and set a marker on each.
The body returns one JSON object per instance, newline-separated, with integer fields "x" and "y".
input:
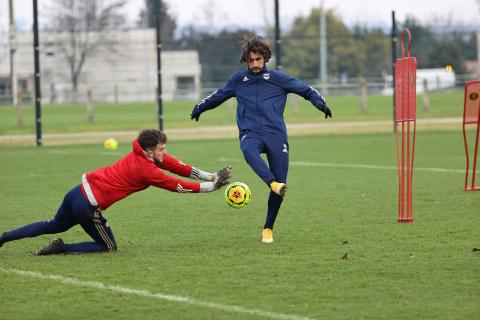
{"x": 351, "y": 51}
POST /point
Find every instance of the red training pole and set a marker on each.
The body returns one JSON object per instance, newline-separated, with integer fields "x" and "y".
{"x": 405, "y": 113}
{"x": 471, "y": 116}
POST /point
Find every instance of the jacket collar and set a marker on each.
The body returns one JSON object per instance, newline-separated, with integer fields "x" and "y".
{"x": 138, "y": 150}
{"x": 264, "y": 70}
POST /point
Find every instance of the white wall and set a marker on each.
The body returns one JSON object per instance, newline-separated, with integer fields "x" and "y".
{"x": 130, "y": 66}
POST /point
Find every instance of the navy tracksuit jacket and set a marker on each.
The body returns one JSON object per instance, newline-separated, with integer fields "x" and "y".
{"x": 261, "y": 101}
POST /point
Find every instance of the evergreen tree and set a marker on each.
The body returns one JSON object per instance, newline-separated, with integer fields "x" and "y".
{"x": 168, "y": 24}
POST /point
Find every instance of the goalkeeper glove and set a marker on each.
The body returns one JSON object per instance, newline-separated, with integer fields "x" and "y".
{"x": 222, "y": 177}
{"x": 224, "y": 173}
{"x": 215, "y": 184}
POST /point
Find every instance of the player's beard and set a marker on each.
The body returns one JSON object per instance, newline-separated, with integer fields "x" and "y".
{"x": 256, "y": 69}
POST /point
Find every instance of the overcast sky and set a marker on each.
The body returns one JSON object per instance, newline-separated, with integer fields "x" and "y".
{"x": 259, "y": 13}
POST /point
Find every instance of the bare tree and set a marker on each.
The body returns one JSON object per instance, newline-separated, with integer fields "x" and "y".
{"x": 84, "y": 27}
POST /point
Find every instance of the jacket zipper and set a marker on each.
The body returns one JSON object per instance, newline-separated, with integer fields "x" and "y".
{"x": 256, "y": 103}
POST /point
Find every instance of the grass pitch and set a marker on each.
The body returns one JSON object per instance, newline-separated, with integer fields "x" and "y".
{"x": 341, "y": 201}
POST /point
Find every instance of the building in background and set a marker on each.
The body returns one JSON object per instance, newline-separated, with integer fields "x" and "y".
{"x": 124, "y": 72}
{"x": 436, "y": 79}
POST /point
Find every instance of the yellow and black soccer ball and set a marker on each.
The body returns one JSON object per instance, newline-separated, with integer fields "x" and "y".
{"x": 237, "y": 195}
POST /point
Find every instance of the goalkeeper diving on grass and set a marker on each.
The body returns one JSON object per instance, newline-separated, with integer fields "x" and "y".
{"x": 261, "y": 96}
{"x": 84, "y": 204}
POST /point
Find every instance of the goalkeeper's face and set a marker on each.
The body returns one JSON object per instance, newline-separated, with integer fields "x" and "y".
{"x": 157, "y": 153}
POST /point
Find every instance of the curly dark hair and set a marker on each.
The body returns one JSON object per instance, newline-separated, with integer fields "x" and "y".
{"x": 257, "y": 45}
{"x": 149, "y": 138}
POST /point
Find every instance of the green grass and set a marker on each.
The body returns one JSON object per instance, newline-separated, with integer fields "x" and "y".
{"x": 73, "y": 118}
{"x": 196, "y": 246}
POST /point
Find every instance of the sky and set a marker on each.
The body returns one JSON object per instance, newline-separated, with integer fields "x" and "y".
{"x": 218, "y": 14}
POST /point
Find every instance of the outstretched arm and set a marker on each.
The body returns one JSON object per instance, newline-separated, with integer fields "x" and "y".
{"x": 214, "y": 180}
{"x": 174, "y": 184}
{"x": 207, "y": 176}
{"x": 215, "y": 99}
{"x": 160, "y": 179}
{"x": 309, "y": 93}
{"x": 176, "y": 166}
{"x": 183, "y": 169}
{"x": 220, "y": 179}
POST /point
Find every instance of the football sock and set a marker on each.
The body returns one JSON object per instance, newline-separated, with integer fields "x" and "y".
{"x": 274, "y": 203}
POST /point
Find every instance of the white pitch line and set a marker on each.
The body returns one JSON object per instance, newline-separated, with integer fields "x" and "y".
{"x": 148, "y": 294}
{"x": 357, "y": 166}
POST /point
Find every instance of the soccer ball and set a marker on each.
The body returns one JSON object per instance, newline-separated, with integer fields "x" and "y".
{"x": 237, "y": 195}
{"x": 110, "y": 144}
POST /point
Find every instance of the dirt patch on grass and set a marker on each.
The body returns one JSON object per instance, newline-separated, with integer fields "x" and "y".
{"x": 228, "y": 132}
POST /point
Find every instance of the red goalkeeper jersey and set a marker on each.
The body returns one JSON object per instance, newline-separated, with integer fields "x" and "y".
{"x": 134, "y": 172}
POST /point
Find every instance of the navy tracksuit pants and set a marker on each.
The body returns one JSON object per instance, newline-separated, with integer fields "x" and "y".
{"x": 276, "y": 148}
{"x": 75, "y": 209}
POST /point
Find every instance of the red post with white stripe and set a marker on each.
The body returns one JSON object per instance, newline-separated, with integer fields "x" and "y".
{"x": 405, "y": 127}
{"x": 471, "y": 118}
